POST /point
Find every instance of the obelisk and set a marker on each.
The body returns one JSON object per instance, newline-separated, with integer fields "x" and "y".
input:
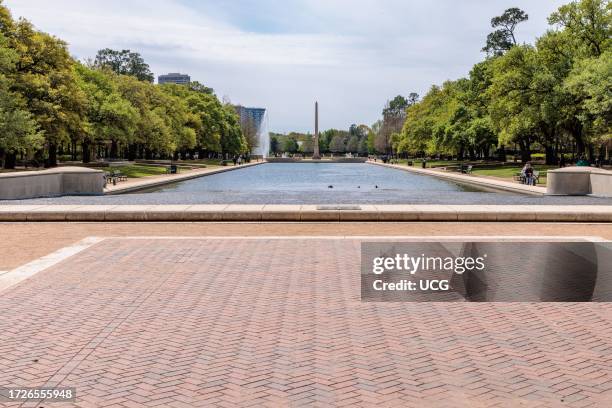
{"x": 316, "y": 155}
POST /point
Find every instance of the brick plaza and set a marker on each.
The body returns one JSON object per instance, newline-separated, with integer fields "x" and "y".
{"x": 140, "y": 322}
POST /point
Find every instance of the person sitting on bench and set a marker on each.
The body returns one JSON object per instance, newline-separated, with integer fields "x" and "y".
{"x": 527, "y": 174}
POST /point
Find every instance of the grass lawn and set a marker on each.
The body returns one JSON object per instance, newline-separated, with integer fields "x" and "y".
{"x": 504, "y": 172}
{"x": 509, "y": 172}
{"x": 207, "y": 162}
{"x": 138, "y": 170}
{"x": 430, "y": 163}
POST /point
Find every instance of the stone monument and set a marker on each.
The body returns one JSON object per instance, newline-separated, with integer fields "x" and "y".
{"x": 316, "y": 154}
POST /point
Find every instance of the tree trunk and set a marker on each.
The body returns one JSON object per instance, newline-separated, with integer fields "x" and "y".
{"x": 10, "y": 160}
{"x": 525, "y": 151}
{"x": 580, "y": 147}
{"x": 602, "y": 153}
{"x": 114, "y": 150}
{"x": 132, "y": 150}
{"x": 501, "y": 154}
{"x": 86, "y": 151}
{"x": 551, "y": 156}
{"x": 591, "y": 152}
{"x": 52, "y": 160}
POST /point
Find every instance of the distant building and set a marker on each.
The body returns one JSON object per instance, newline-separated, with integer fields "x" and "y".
{"x": 174, "y": 78}
{"x": 253, "y": 114}
{"x": 255, "y": 120}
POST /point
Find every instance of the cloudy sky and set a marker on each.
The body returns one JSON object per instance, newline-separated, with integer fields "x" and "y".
{"x": 350, "y": 55}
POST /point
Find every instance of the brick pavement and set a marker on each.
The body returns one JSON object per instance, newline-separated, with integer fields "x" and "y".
{"x": 23, "y": 242}
{"x": 186, "y": 323}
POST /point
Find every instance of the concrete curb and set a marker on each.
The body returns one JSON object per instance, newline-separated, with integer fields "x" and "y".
{"x": 143, "y": 184}
{"x": 304, "y": 213}
{"x": 472, "y": 180}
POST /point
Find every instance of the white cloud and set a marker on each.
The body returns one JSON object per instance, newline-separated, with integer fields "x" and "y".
{"x": 350, "y": 55}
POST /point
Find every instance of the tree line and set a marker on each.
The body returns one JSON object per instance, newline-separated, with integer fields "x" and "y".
{"x": 554, "y": 96}
{"x": 53, "y": 105}
{"x": 332, "y": 141}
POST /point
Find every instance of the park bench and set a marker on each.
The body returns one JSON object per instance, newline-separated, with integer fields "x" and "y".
{"x": 119, "y": 175}
{"x": 114, "y": 176}
{"x": 523, "y": 180}
{"x": 519, "y": 177}
{"x": 467, "y": 169}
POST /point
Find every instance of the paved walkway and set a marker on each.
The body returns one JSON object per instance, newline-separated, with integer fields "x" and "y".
{"x": 21, "y": 243}
{"x": 471, "y": 179}
{"x": 278, "y": 322}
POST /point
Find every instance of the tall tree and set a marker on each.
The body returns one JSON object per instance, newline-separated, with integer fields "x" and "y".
{"x": 45, "y": 78}
{"x": 413, "y": 98}
{"x": 18, "y": 130}
{"x": 124, "y": 62}
{"x": 590, "y": 83}
{"x": 504, "y": 38}
{"x": 394, "y": 115}
{"x": 112, "y": 118}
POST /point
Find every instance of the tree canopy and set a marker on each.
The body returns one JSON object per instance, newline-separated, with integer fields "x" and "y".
{"x": 51, "y": 105}
{"x": 553, "y": 96}
{"x": 124, "y": 62}
{"x": 503, "y": 38}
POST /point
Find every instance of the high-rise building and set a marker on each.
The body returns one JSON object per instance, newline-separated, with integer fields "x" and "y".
{"x": 255, "y": 121}
{"x": 174, "y": 78}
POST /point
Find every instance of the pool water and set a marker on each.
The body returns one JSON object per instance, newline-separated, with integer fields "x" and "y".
{"x": 316, "y": 183}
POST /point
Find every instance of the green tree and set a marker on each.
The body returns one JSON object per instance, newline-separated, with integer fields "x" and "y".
{"x": 232, "y": 140}
{"x": 373, "y": 137}
{"x": 111, "y": 118}
{"x": 44, "y": 77}
{"x": 363, "y": 146}
{"x": 274, "y": 145}
{"x": 589, "y": 21}
{"x": 198, "y": 87}
{"x": 124, "y": 62}
{"x": 352, "y": 146}
{"x": 394, "y": 116}
{"x": 590, "y": 83}
{"x": 307, "y": 146}
{"x": 396, "y": 107}
{"x": 512, "y": 112}
{"x": 337, "y": 144}
{"x": 290, "y": 145}
{"x": 502, "y": 39}
{"x": 18, "y": 130}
